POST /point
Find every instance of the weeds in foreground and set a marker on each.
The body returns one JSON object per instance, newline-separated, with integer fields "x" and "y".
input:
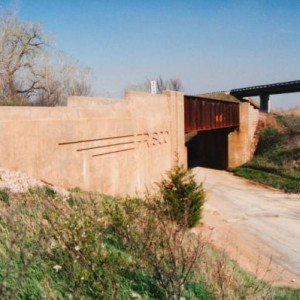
{"x": 167, "y": 250}
{"x": 91, "y": 246}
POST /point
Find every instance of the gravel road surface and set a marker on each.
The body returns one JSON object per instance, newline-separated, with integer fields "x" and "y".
{"x": 258, "y": 226}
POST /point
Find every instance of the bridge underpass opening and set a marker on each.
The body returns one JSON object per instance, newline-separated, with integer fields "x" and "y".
{"x": 207, "y": 125}
{"x": 208, "y": 148}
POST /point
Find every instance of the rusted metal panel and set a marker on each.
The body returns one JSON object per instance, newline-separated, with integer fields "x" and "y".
{"x": 208, "y": 114}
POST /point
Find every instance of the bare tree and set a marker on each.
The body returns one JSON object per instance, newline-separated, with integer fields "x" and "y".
{"x": 28, "y": 74}
{"x": 172, "y": 84}
{"x": 162, "y": 85}
{"x": 19, "y": 43}
{"x": 61, "y": 76}
{"x": 175, "y": 85}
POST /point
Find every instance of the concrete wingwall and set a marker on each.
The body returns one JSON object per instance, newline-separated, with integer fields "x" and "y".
{"x": 240, "y": 142}
{"x": 114, "y": 146}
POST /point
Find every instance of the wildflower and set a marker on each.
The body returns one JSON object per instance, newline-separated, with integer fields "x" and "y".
{"x": 57, "y": 268}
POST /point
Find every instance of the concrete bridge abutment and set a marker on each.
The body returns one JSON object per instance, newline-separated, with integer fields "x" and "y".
{"x": 116, "y": 146}
{"x": 225, "y": 148}
{"x": 241, "y": 142}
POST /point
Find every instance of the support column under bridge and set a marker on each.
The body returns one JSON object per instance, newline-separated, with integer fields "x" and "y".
{"x": 265, "y": 103}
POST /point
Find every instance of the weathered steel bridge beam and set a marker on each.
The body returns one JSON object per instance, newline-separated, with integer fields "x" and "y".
{"x": 264, "y": 92}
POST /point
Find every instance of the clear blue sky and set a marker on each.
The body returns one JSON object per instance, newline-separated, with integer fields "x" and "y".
{"x": 209, "y": 44}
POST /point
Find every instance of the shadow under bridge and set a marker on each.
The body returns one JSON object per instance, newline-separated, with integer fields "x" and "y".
{"x": 208, "y": 123}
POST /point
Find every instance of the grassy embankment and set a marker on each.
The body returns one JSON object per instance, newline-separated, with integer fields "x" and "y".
{"x": 277, "y": 158}
{"x": 90, "y": 246}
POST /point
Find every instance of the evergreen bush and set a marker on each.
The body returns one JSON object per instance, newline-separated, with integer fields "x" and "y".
{"x": 269, "y": 140}
{"x": 183, "y": 197}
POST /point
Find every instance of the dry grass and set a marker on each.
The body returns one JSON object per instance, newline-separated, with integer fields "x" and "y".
{"x": 295, "y": 111}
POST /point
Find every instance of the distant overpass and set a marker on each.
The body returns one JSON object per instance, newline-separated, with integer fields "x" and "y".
{"x": 264, "y": 92}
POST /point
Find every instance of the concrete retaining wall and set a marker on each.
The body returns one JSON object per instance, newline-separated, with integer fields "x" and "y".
{"x": 115, "y": 146}
{"x": 240, "y": 142}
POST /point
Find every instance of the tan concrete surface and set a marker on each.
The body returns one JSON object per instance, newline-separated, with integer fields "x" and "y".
{"x": 256, "y": 225}
{"x": 115, "y": 146}
{"x": 240, "y": 142}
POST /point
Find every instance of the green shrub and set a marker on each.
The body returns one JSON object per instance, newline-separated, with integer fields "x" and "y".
{"x": 289, "y": 185}
{"x": 269, "y": 139}
{"x": 80, "y": 268}
{"x": 4, "y": 196}
{"x": 166, "y": 252}
{"x": 287, "y": 294}
{"x": 291, "y": 122}
{"x": 183, "y": 196}
{"x": 276, "y": 160}
{"x": 197, "y": 290}
{"x": 50, "y": 192}
{"x": 43, "y": 191}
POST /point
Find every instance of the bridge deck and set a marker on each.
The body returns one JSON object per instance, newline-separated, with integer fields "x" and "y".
{"x": 268, "y": 89}
{"x": 208, "y": 114}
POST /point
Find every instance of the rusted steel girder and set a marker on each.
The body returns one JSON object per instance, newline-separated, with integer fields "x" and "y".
{"x": 208, "y": 114}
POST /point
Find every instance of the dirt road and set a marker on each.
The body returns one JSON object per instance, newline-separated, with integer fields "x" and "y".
{"x": 258, "y": 226}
